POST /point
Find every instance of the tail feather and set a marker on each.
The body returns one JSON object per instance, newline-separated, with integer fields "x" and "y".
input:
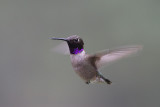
{"x": 105, "y": 79}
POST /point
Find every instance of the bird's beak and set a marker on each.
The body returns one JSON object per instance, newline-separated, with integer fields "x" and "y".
{"x": 53, "y": 38}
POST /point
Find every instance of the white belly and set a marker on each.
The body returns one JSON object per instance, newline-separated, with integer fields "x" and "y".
{"x": 83, "y": 67}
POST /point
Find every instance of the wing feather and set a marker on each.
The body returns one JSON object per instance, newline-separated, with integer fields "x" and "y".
{"x": 111, "y": 55}
{"x": 62, "y": 48}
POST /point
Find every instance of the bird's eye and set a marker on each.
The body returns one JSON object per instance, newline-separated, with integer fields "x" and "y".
{"x": 76, "y": 40}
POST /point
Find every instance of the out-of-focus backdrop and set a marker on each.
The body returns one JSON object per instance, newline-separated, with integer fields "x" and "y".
{"x": 31, "y": 75}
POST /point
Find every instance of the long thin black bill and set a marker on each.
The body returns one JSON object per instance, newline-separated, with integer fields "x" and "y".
{"x": 53, "y": 38}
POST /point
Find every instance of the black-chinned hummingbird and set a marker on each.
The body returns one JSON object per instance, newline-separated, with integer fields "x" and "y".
{"x": 87, "y": 66}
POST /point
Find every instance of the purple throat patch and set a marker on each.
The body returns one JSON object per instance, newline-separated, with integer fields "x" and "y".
{"x": 76, "y": 51}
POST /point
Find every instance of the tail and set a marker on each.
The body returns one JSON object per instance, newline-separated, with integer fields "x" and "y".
{"x": 105, "y": 79}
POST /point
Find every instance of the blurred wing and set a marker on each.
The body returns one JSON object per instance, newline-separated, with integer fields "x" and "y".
{"x": 108, "y": 56}
{"x": 62, "y": 48}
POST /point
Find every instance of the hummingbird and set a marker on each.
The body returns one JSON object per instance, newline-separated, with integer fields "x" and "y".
{"x": 87, "y": 65}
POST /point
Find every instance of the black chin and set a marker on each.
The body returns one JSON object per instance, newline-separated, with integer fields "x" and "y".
{"x": 75, "y": 47}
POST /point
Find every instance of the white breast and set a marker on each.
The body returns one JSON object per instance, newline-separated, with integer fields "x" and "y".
{"x": 82, "y": 67}
{"x": 77, "y": 59}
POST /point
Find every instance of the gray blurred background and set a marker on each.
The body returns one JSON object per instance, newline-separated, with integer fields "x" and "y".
{"x": 31, "y": 75}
